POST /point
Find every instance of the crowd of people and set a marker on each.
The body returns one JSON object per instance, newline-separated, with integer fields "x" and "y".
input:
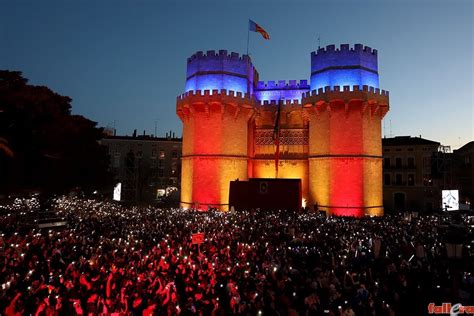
{"x": 125, "y": 260}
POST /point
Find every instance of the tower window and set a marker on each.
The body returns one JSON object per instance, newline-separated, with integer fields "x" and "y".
{"x": 386, "y": 179}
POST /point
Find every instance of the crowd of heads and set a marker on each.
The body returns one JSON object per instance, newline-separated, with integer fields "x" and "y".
{"x": 124, "y": 260}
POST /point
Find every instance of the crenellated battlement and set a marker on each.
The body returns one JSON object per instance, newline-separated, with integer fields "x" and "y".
{"x": 331, "y": 66}
{"x": 220, "y": 70}
{"x": 275, "y": 102}
{"x": 220, "y": 54}
{"x": 215, "y": 93}
{"x": 345, "y": 89}
{"x": 220, "y": 102}
{"x": 282, "y": 85}
{"x": 358, "y": 48}
{"x": 275, "y": 90}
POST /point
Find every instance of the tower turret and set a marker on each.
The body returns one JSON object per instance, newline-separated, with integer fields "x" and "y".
{"x": 220, "y": 70}
{"x": 345, "y": 150}
{"x": 344, "y": 66}
{"x": 215, "y": 112}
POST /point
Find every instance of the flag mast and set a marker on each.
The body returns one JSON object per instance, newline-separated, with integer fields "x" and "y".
{"x": 248, "y": 38}
{"x": 254, "y": 27}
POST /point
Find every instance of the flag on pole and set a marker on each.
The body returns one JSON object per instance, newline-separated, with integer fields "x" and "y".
{"x": 257, "y": 28}
{"x": 276, "y": 138}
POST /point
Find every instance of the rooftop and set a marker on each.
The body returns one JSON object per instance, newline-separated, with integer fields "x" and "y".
{"x": 407, "y": 140}
{"x": 466, "y": 147}
{"x": 144, "y": 138}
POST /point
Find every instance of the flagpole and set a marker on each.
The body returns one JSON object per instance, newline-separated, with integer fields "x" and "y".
{"x": 248, "y": 59}
{"x": 248, "y": 37}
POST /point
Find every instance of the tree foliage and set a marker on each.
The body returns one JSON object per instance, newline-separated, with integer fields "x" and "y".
{"x": 43, "y": 145}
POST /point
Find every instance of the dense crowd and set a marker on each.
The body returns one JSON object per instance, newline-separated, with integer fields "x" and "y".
{"x": 117, "y": 260}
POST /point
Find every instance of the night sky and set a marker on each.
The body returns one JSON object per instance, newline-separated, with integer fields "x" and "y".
{"x": 125, "y": 61}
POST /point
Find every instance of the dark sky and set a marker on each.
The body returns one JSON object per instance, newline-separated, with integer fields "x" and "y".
{"x": 125, "y": 61}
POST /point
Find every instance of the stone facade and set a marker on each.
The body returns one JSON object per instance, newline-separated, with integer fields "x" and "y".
{"x": 144, "y": 164}
{"x": 330, "y": 129}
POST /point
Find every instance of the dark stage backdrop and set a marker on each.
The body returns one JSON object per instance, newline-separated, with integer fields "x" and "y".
{"x": 266, "y": 194}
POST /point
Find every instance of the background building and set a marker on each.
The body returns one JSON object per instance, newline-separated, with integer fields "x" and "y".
{"x": 145, "y": 165}
{"x": 416, "y": 170}
{"x": 409, "y": 177}
{"x": 464, "y": 172}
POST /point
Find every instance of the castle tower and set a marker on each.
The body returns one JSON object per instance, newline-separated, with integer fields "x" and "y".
{"x": 345, "y": 108}
{"x": 215, "y": 111}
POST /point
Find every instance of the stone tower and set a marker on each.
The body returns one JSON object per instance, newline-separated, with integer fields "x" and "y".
{"x": 345, "y": 108}
{"x": 330, "y": 129}
{"x": 215, "y": 111}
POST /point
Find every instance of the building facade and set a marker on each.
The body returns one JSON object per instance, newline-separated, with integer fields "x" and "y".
{"x": 330, "y": 134}
{"x": 416, "y": 170}
{"x": 410, "y": 178}
{"x": 464, "y": 172}
{"x": 145, "y": 165}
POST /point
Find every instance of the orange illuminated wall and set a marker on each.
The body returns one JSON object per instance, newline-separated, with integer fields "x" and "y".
{"x": 345, "y": 152}
{"x": 214, "y": 146}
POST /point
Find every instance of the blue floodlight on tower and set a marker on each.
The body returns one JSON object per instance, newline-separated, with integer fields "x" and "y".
{"x": 344, "y": 66}
{"x": 217, "y": 71}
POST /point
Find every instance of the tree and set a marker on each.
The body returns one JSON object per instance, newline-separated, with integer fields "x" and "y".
{"x": 42, "y": 145}
{"x": 5, "y": 148}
